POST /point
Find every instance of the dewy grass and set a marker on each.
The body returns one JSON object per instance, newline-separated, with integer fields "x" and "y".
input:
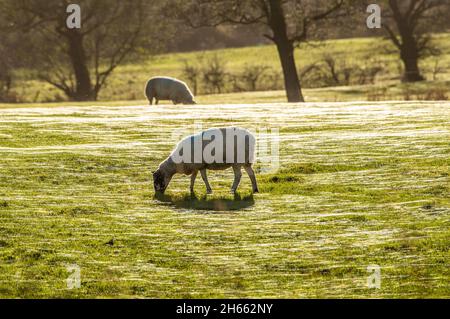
{"x": 359, "y": 184}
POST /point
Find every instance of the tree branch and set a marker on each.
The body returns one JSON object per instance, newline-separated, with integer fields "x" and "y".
{"x": 392, "y": 36}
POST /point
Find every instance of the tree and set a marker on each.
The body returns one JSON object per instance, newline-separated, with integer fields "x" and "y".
{"x": 5, "y": 79}
{"x": 289, "y": 23}
{"x": 78, "y": 61}
{"x": 5, "y": 73}
{"x": 407, "y": 25}
{"x": 8, "y": 62}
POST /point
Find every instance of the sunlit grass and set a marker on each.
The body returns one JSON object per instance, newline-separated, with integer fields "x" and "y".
{"x": 128, "y": 80}
{"x": 358, "y": 184}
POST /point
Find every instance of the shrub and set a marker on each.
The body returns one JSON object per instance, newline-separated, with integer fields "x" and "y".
{"x": 214, "y": 75}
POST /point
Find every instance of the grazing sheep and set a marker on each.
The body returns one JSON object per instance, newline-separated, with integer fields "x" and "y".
{"x": 215, "y": 149}
{"x": 165, "y": 88}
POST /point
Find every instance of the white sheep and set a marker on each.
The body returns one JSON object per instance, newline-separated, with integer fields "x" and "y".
{"x": 166, "y": 88}
{"x": 215, "y": 149}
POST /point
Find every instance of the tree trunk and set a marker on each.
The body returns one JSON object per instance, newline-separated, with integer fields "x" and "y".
{"x": 409, "y": 52}
{"x": 83, "y": 90}
{"x": 285, "y": 51}
{"x": 410, "y": 58}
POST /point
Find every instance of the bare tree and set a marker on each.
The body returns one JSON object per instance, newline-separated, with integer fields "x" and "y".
{"x": 252, "y": 74}
{"x": 8, "y": 62}
{"x": 436, "y": 69}
{"x": 5, "y": 81}
{"x": 193, "y": 71}
{"x": 5, "y": 74}
{"x": 289, "y": 23}
{"x": 214, "y": 74}
{"x": 79, "y": 61}
{"x": 407, "y": 25}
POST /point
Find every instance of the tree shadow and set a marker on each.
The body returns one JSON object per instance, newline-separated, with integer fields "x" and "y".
{"x": 193, "y": 201}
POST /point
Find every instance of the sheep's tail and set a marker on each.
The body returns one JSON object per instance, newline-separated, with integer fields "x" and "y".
{"x": 149, "y": 91}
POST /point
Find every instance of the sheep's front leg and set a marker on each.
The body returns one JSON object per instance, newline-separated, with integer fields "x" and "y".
{"x": 205, "y": 179}
{"x": 237, "y": 178}
{"x": 251, "y": 174}
{"x": 193, "y": 176}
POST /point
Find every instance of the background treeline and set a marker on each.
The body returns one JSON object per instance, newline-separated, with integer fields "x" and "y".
{"x": 210, "y": 75}
{"x": 122, "y": 43}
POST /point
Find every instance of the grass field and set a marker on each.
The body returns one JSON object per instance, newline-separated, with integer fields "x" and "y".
{"x": 128, "y": 80}
{"x": 359, "y": 184}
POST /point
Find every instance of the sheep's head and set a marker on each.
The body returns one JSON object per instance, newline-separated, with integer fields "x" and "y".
{"x": 190, "y": 101}
{"x": 160, "y": 181}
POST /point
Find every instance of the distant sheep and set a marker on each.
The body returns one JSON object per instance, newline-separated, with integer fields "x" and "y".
{"x": 215, "y": 149}
{"x": 166, "y": 88}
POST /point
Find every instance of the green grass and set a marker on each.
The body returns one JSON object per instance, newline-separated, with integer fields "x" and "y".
{"x": 381, "y": 92}
{"x": 358, "y": 184}
{"x": 127, "y": 82}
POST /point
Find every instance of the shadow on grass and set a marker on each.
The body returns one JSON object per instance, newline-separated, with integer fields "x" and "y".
{"x": 204, "y": 203}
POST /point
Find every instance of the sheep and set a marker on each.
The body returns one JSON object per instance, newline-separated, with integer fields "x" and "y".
{"x": 166, "y": 88}
{"x": 214, "y": 149}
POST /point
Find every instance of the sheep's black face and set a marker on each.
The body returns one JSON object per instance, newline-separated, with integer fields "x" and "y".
{"x": 159, "y": 182}
{"x": 190, "y": 101}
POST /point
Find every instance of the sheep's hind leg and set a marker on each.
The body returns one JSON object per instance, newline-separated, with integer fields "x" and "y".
{"x": 237, "y": 178}
{"x": 151, "y": 95}
{"x": 205, "y": 179}
{"x": 193, "y": 176}
{"x": 251, "y": 174}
